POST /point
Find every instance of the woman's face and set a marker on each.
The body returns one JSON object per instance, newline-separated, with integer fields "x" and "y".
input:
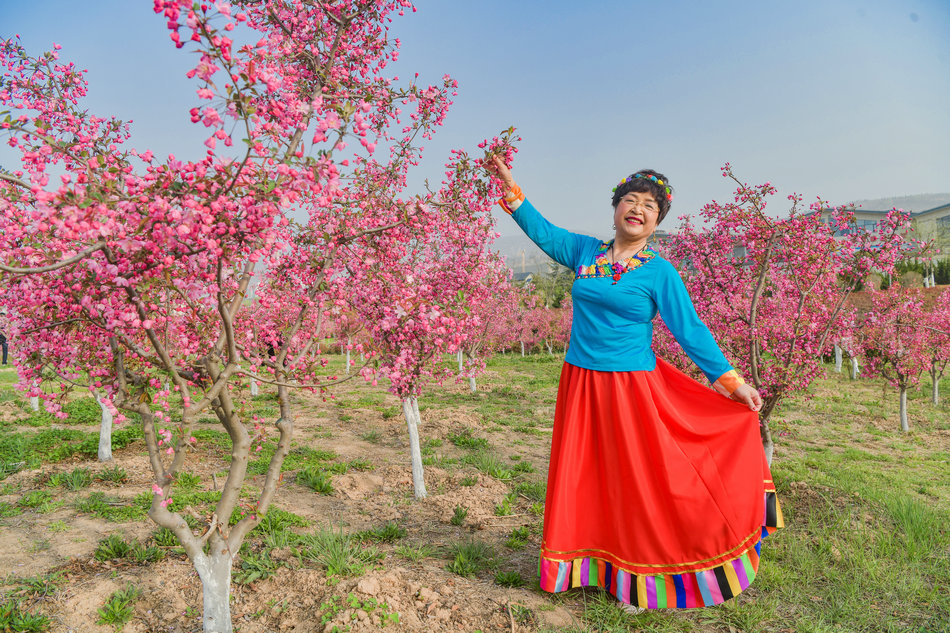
{"x": 636, "y": 215}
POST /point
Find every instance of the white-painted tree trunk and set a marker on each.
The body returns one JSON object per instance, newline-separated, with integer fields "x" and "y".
{"x": 471, "y": 384}
{"x": 105, "y": 431}
{"x": 415, "y": 410}
{"x": 854, "y": 368}
{"x": 461, "y": 368}
{"x": 550, "y": 351}
{"x": 35, "y": 403}
{"x": 837, "y": 358}
{"x": 215, "y": 573}
{"x": 254, "y": 388}
{"x": 410, "y": 409}
{"x": 934, "y": 385}
{"x": 522, "y": 349}
{"x": 904, "y": 425}
{"x": 348, "y": 345}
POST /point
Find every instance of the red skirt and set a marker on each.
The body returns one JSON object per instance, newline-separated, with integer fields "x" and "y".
{"x": 658, "y": 489}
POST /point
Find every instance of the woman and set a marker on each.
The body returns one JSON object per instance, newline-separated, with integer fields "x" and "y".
{"x": 658, "y": 488}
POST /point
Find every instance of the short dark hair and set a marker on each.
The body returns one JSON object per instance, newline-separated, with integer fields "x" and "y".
{"x": 646, "y": 185}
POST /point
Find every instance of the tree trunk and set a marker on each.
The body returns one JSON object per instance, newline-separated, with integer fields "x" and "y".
{"x": 522, "y": 349}
{"x": 105, "y": 431}
{"x": 934, "y": 384}
{"x": 550, "y": 351}
{"x": 837, "y": 358}
{"x": 904, "y": 425}
{"x": 460, "y": 361}
{"x": 254, "y": 390}
{"x": 767, "y": 444}
{"x": 410, "y": 409}
{"x": 415, "y": 410}
{"x": 35, "y": 400}
{"x": 347, "y": 355}
{"x": 471, "y": 384}
{"x": 854, "y": 368}
{"x": 215, "y": 573}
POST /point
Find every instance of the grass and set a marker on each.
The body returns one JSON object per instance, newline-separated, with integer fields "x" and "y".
{"x": 119, "y": 607}
{"x": 76, "y": 479}
{"x": 415, "y": 553}
{"x": 254, "y": 566}
{"x": 112, "y": 509}
{"x": 490, "y": 464}
{"x": 339, "y": 553}
{"x": 509, "y": 579}
{"x": 115, "y": 475}
{"x": 867, "y": 509}
{"x": 533, "y": 490}
{"x": 471, "y": 558}
{"x": 16, "y": 618}
{"x": 373, "y": 436}
{"x": 519, "y": 538}
{"x": 115, "y": 548}
{"x": 38, "y": 586}
{"x": 30, "y": 449}
{"x": 387, "y": 533}
{"x": 459, "y": 515}
{"x": 465, "y": 439}
{"x": 316, "y": 479}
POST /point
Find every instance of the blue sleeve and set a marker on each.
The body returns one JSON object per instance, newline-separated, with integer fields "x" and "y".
{"x": 560, "y": 244}
{"x": 680, "y": 317}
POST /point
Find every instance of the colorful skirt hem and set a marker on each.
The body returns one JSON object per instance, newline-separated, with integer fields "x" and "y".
{"x": 697, "y": 588}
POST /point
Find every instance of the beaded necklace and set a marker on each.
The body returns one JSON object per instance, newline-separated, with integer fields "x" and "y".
{"x": 603, "y": 268}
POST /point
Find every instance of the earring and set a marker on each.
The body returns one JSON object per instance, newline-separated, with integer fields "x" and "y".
{"x": 615, "y": 227}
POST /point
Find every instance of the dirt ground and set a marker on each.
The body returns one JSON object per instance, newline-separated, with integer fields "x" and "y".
{"x": 300, "y": 597}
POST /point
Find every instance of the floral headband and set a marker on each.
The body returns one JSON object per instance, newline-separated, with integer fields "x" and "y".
{"x": 669, "y": 192}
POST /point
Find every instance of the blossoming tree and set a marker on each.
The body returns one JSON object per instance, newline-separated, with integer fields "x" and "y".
{"x": 895, "y": 345}
{"x": 938, "y": 342}
{"x": 130, "y": 273}
{"x": 774, "y": 290}
{"x": 493, "y": 314}
{"x": 416, "y": 300}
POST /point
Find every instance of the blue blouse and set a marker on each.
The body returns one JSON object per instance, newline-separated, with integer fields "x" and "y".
{"x": 612, "y": 328}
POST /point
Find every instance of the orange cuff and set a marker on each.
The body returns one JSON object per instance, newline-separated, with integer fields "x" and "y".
{"x": 512, "y": 200}
{"x": 728, "y": 382}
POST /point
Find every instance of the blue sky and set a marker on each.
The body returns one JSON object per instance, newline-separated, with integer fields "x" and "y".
{"x": 839, "y": 98}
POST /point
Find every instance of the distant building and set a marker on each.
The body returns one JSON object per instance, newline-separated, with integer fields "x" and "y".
{"x": 931, "y": 224}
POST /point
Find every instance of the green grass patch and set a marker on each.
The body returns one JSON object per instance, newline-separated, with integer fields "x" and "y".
{"x": 339, "y": 553}
{"x": 387, "y": 533}
{"x": 113, "y": 509}
{"x": 17, "y": 618}
{"x": 465, "y": 439}
{"x": 471, "y": 558}
{"x": 119, "y": 607}
{"x": 316, "y": 479}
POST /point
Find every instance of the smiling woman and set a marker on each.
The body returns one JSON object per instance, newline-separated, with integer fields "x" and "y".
{"x": 658, "y": 487}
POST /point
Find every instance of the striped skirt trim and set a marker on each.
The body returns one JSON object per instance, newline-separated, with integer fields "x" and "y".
{"x": 689, "y": 590}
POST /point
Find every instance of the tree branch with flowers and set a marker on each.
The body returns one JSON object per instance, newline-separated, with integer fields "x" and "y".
{"x": 774, "y": 290}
